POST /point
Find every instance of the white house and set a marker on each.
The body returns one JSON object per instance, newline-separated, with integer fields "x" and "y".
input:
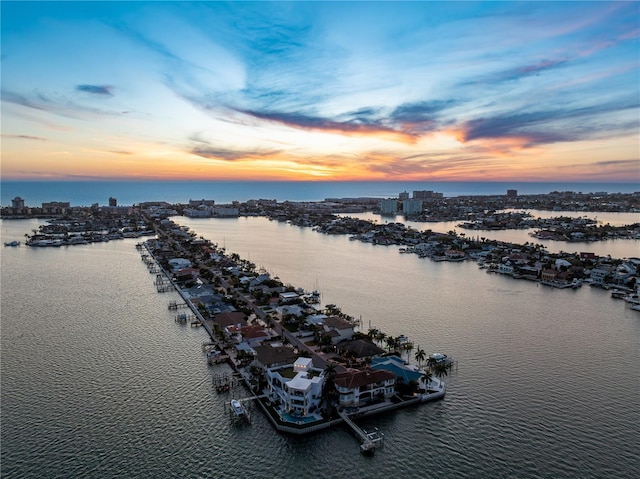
{"x": 505, "y": 268}
{"x": 298, "y": 387}
{"x": 288, "y": 296}
{"x": 340, "y": 329}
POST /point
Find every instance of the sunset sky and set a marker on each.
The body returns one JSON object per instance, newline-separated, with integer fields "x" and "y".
{"x": 425, "y": 91}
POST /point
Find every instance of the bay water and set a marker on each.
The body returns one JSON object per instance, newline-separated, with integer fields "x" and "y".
{"x": 99, "y": 381}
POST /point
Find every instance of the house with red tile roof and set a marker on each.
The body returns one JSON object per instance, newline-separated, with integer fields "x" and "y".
{"x": 358, "y": 387}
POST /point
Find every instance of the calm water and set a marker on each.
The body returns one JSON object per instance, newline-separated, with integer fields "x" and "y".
{"x": 86, "y": 193}
{"x": 98, "y": 380}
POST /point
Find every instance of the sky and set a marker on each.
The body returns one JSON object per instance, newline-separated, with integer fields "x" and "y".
{"x": 411, "y": 91}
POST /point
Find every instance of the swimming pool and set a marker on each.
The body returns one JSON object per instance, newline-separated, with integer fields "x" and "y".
{"x": 285, "y": 416}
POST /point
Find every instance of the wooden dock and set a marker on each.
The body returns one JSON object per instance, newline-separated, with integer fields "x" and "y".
{"x": 163, "y": 284}
{"x": 173, "y": 305}
{"x": 370, "y": 440}
{"x": 184, "y": 317}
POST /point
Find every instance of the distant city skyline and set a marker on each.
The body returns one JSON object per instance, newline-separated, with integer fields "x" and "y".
{"x": 410, "y": 91}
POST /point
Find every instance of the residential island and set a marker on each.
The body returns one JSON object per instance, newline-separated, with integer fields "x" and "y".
{"x": 308, "y": 367}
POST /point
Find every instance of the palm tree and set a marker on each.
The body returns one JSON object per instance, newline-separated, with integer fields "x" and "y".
{"x": 431, "y": 362}
{"x": 330, "y": 370}
{"x": 408, "y": 347}
{"x": 329, "y": 391}
{"x": 427, "y": 377}
{"x": 420, "y": 356}
{"x": 440, "y": 370}
{"x": 391, "y": 342}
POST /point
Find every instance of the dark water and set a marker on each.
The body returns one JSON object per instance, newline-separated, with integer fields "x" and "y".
{"x": 98, "y": 381}
{"x": 86, "y": 193}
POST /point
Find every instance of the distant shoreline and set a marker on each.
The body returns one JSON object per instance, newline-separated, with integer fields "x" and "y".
{"x": 129, "y": 192}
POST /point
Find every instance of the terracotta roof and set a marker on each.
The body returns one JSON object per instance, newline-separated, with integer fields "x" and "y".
{"x": 254, "y": 332}
{"x": 355, "y": 378}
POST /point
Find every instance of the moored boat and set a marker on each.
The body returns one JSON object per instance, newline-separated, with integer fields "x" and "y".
{"x": 237, "y": 408}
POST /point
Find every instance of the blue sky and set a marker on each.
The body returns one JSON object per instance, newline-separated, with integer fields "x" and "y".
{"x": 321, "y": 90}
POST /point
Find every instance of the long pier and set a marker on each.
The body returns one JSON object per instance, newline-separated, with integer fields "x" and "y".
{"x": 370, "y": 440}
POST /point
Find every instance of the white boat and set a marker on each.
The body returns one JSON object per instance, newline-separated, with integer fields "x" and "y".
{"x": 237, "y": 408}
{"x": 632, "y": 298}
{"x": 618, "y": 293}
{"x": 439, "y": 358}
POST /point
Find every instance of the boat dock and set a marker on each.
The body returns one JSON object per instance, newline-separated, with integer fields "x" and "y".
{"x": 370, "y": 440}
{"x": 173, "y": 305}
{"x": 184, "y": 317}
{"x": 163, "y": 284}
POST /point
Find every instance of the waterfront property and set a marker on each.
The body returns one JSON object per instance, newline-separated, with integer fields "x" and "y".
{"x": 296, "y": 389}
{"x": 359, "y": 387}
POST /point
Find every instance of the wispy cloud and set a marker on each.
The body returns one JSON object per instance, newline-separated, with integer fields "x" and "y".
{"x": 519, "y": 72}
{"x": 541, "y": 126}
{"x": 205, "y": 149}
{"x": 105, "y": 90}
{"x": 357, "y": 126}
{"x": 56, "y": 104}
{"x": 23, "y": 137}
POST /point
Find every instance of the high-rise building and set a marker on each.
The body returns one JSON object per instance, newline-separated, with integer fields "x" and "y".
{"x": 426, "y": 195}
{"x": 113, "y": 201}
{"x": 389, "y": 206}
{"x": 412, "y": 207}
{"x": 403, "y": 196}
{"x": 17, "y": 202}
{"x": 512, "y": 193}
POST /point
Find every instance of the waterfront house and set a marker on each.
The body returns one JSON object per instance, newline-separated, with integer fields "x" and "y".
{"x": 518, "y": 258}
{"x": 291, "y": 309}
{"x": 271, "y": 355}
{"x": 185, "y": 274}
{"x": 397, "y": 366}
{"x": 254, "y": 335}
{"x": 360, "y": 348}
{"x": 598, "y": 275}
{"x": 288, "y": 297}
{"x": 454, "y": 255}
{"x": 296, "y": 387}
{"x": 548, "y": 274}
{"x": 505, "y": 268}
{"x": 258, "y": 280}
{"x": 177, "y": 264}
{"x": 624, "y": 272}
{"x": 358, "y": 387}
{"x": 315, "y": 319}
{"x": 232, "y": 318}
{"x": 339, "y": 329}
